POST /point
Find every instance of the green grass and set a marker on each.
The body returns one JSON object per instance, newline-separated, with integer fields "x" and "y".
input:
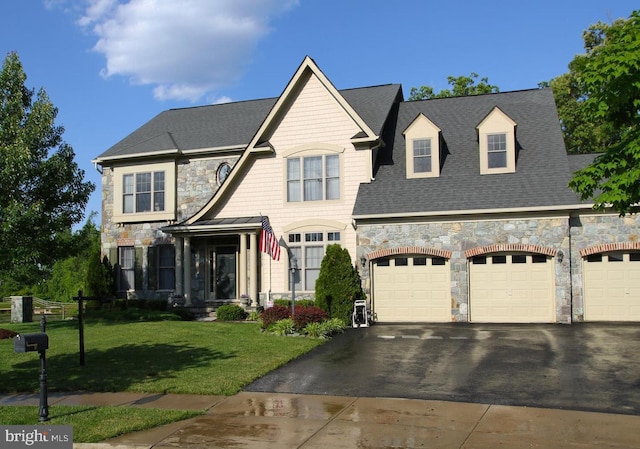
{"x": 152, "y": 357}
{"x": 94, "y": 424}
{"x": 185, "y": 357}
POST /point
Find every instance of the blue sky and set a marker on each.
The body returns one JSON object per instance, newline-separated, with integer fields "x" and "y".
{"x": 111, "y": 65}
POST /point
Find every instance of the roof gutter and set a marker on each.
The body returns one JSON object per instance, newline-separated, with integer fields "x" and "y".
{"x": 568, "y": 208}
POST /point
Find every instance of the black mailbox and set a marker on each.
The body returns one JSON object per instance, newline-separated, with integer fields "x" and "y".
{"x": 31, "y": 342}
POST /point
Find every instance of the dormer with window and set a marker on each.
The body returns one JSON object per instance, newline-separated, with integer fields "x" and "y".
{"x": 422, "y": 143}
{"x": 497, "y": 143}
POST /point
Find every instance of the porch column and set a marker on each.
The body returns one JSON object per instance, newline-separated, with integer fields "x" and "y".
{"x": 243, "y": 264}
{"x": 187, "y": 270}
{"x": 179, "y": 266}
{"x": 253, "y": 268}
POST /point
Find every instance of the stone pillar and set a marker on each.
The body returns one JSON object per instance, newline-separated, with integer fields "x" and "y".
{"x": 21, "y": 309}
{"x": 179, "y": 266}
{"x": 243, "y": 264}
{"x": 187, "y": 270}
{"x": 253, "y": 268}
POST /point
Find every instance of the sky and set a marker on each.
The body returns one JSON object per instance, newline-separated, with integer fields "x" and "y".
{"x": 109, "y": 66}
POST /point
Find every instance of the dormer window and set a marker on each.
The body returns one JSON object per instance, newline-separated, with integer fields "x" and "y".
{"x": 422, "y": 139}
{"x": 497, "y": 151}
{"x": 422, "y": 156}
{"x": 497, "y": 143}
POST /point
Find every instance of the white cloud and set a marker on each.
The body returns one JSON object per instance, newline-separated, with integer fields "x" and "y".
{"x": 185, "y": 49}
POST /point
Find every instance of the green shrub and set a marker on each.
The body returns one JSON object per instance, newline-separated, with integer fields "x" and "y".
{"x": 100, "y": 277}
{"x": 130, "y": 314}
{"x": 299, "y": 302}
{"x": 338, "y": 284}
{"x": 254, "y": 315}
{"x": 283, "y": 327}
{"x": 333, "y": 326}
{"x": 184, "y": 314}
{"x": 274, "y": 314}
{"x": 324, "y": 329}
{"x": 315, "y": 330}
{"x": 230, "y": 312}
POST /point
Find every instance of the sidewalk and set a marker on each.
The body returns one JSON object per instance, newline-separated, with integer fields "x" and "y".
{"x": 283, "y": 421}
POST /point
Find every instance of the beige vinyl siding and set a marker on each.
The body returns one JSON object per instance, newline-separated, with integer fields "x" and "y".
{"x": 315, "y": 119}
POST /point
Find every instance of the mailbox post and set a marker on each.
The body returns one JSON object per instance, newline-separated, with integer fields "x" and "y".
{"x": 37, "y": 342}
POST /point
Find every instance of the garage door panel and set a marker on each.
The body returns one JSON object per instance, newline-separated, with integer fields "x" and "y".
{"x": 415, "y": 292}
{"x": 612, "y": 287}
{"x": 517, "y": 291}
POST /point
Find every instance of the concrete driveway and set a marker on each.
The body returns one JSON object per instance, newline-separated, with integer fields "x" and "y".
{"x": 592, "y": 367}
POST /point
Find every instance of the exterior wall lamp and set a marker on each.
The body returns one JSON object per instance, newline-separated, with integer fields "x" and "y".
{"x": 560, "y": 256}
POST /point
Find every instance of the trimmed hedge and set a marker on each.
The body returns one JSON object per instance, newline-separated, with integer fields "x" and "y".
{"x": 230, "y": 312}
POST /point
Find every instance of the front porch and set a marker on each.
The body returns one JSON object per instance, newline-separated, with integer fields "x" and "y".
{"x": 217, "y": 262}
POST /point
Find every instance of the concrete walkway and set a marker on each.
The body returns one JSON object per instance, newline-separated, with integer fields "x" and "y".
{"x": 278, "y": 420}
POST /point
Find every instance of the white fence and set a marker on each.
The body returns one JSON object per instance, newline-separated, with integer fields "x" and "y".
{"x": 51, "y": 309}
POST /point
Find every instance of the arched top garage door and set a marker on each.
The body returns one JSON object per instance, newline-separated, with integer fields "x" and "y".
{"x": 612, "y": 286}
{"x": 511, "y": 288}
{"x": 411, "y": 288}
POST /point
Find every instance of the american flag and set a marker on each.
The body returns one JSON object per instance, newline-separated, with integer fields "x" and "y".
{"x": 268, "y": 241}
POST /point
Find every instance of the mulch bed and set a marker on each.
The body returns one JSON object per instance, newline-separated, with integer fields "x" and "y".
{"x": 5, "y": 333}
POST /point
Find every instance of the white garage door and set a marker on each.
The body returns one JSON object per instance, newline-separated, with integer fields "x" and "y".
{"x": 412, "y": 289}
{"x": 612, "y": 287}
{"x": 511, "y": 288}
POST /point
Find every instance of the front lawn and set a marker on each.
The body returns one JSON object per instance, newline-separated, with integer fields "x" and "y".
{"x": 153, "y": 357}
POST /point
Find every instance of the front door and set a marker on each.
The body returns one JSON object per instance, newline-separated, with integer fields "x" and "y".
{"x": 222, "y": 263}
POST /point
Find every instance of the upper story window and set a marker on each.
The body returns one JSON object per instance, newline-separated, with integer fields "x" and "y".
{"x": 422, "y": 156}
{"x": 143, "y": 192}
{"x": 422, "y": 139}
{"x": 497, "y": 143}
{"x": 497, "y": 150}
{"x": 313, "y": 178}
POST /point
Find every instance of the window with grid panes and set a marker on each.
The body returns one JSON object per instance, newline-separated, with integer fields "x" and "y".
{"x": 309, "y": 248}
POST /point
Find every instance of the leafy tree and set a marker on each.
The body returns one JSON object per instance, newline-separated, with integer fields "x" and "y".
{"x": 583, "y": 133}
{"x": 42, "y": 192}
{"x": 461, "y": 86}
{"x": 71, "y": 274}
{"x": 338, "y": 284}
{"x": 610, "y": 76}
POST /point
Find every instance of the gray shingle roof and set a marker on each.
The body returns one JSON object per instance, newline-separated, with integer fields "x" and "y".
{"x": 542, "y": 167}
{"x": 234, "y": 124}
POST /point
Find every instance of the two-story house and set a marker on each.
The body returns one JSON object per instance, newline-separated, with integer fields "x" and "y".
{"x": 453, "y": 209}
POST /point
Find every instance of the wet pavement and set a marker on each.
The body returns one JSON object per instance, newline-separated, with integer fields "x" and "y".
{"x": 279, "y": 420}
{"x": 589, "y": 367}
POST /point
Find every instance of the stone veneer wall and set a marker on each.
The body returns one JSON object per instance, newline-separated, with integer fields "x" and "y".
{"x": 591, "y": 230}
{"x": 459, "y": 237}
{"x": 196, "y": 184}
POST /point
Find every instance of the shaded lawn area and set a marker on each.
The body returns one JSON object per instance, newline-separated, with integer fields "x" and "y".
{"x": 188, "y": 357}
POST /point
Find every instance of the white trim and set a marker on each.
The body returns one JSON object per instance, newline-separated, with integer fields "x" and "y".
{"x": 444, "y": 214}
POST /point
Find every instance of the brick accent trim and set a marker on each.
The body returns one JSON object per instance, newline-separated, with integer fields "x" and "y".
{"x": 409, "y": 250}
{"x": 510, "y": 247}
{"x": 607, "y": 247}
